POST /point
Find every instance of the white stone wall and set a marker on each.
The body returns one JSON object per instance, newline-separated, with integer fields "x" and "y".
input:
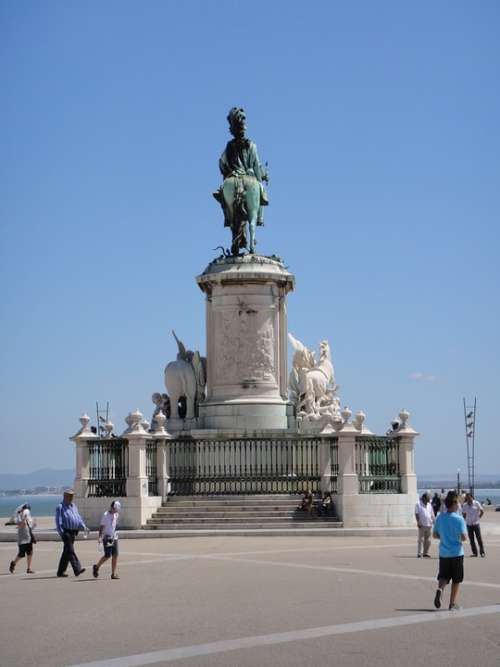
{"x": 133, "y": 515}
{"x": 372, "y": 510}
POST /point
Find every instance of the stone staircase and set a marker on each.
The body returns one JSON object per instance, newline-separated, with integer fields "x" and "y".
{"x": 237, "y": 513}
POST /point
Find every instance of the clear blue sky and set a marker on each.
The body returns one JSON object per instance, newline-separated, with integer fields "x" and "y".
{"x": 380, "y": 123}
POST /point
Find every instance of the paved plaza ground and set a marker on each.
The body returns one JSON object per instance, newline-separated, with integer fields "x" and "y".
{"x": 225, "y": 601}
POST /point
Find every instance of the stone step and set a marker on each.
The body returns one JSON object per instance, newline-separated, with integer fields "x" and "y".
{"x": 296, "y": 525}
{"x": 238, "y": 519}
{"x": 228, "y": 512}
{"x": 237, "y": 502}
{"x": 243, "y": 516}
{"x": 214, "y": 509}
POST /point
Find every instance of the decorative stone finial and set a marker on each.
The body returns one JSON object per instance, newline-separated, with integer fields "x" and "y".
{"x": 145, "y": 424}
{"x": 134, "y": 421}
{"x": 358, "y": 420}
{"x": 84, "y": 431}
{"x": 404, "y": 416}
{"x": 346, "y": 414}
{"x": 159, "y": 424}
{"x": 84, "y": 421}
{"x": 108, "y": 427}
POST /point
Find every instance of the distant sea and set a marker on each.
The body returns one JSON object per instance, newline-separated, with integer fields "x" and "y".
{"x": 479, "y": 494}
{"x": 41, "y": 505}
{"x": 45, "y": 505}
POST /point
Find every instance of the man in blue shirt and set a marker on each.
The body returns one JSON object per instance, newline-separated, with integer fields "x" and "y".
{"x": 68, "y": 523}
{"x": 451, "y": 531}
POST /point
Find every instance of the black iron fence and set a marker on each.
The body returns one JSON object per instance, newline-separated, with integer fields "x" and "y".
{"x": 334, "y": 464}
{"x": 377, "y": 464}
{"x": 245, "y": 466}
{"x": 242, "y": 466}
{"x": 108, "y": 467}
{"x": 151, "y": 469}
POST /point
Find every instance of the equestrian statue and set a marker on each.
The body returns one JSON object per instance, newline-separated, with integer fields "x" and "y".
{"x": 242, "y": 195}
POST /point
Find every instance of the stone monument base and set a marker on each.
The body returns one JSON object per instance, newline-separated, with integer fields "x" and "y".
{"x": 233, "y": 415}
{"x": 246, "y": 344}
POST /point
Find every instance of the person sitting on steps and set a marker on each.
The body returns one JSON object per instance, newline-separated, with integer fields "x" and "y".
{"x": 307, "y": 502}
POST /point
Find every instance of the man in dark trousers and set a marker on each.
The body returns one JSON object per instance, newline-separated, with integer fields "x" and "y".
{"x": 472, "y": 511}
{"x": 68, "y": 523}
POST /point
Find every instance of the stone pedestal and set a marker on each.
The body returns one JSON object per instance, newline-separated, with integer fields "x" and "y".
{"x": 246, "y": 344}
{"x": 82, "y": 439}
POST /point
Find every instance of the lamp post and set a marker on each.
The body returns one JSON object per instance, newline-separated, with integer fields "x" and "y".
{"x": 458, "y": 481}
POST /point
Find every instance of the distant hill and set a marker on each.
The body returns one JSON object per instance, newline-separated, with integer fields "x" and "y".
{"x": 480, "y": 477}
{"x": 44, "y": 477}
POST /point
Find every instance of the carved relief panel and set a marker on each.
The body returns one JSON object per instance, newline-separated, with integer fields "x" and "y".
{"x": 245, "y": 345}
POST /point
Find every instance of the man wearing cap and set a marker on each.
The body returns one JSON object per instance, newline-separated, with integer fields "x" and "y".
{"x": 25, "y": 538}
{"x": 109, "y": 538}
{"x": 68, "y": 523}
{"x": 424, "y": 516}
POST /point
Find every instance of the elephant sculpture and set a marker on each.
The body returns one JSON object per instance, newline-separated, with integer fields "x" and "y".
{"x": 185, "y": 379}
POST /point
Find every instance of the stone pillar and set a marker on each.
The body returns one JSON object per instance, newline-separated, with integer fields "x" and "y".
{"x": 407, "y": 437}
{"x": 348, "y": 484}
{"x": 137, "y": 482}
{"x": 81, "y": 440}
{"x": 246, "y": 343}
{"x": 162, "y": 455}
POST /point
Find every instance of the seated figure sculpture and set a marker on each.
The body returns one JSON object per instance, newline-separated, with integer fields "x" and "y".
{"x": 162, "y": 404}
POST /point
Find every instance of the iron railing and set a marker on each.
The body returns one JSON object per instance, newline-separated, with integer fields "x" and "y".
{"x": 108, "y": 467}
{"x": 334, "y": 465}
{"x": 377, "y": 464}
{"x": 243, "y": 466}
{"x": 151, "y": 470}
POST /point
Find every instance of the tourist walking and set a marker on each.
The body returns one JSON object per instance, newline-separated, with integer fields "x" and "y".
{"x": 472, "y": 511}
{"x": 451, "y": 531}
{"x": 68, "y": 524}
{"x": 25, "y": 538}
{"x": 109, "y": 538}
{"x": 424, "y": 516}
{"x": 436, "y": 503}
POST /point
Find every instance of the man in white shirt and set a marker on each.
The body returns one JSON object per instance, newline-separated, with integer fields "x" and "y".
{"x": 424, "y": 515}
{"x": 109, "y": 538}
{"x": 472, "y": 511}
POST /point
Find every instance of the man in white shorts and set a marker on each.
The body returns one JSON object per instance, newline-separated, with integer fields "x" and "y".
{"x": 109, "y": 538}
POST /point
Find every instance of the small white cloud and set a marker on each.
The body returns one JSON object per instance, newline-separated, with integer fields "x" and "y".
{"x": 418, "y": 376}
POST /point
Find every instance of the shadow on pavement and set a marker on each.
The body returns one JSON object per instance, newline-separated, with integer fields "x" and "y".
{"x": 423, "y": 610}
